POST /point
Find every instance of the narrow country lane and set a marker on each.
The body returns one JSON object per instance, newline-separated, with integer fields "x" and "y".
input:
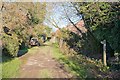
{"x": 40, "y": 64}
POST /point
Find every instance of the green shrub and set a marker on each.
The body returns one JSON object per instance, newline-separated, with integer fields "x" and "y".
{"x": 10, "y": 45}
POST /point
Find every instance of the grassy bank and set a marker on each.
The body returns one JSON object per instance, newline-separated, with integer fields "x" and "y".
{"x": 79, "y": 65}
{"x": 10, "y": 66}
{"x": 10, "y": 69}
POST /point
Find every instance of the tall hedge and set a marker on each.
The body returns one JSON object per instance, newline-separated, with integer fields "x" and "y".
{"x": 10, "y": 45}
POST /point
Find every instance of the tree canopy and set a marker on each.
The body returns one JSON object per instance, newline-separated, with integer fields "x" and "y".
{"x": 102, "y": 18}
{"x": 20, "y": 21}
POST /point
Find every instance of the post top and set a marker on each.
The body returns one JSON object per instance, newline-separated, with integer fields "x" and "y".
{"x": 103, "y": 42}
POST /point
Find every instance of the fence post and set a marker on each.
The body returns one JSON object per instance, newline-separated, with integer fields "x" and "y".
{"x": 104, "y": 52}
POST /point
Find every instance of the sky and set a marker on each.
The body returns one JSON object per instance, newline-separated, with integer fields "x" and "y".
{"x": 58, "y": 14}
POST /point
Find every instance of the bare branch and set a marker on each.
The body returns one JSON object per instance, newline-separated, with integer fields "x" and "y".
{"x": 71, "y": 20}
{"x": 52, "y": 21}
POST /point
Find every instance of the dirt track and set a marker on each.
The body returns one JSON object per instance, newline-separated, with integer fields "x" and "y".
{"x": 40, "y": 64}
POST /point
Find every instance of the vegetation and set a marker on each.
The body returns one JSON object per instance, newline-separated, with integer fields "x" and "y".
{"x": 103, "y": 20}
{"x": 78, "y": 46}
{"x": 10, "y": 67}
{"x": 97, "y": 22}
{"x": 24, "y": 24}
{"x": 80, "y": 65}
{"x": 11, "y": 45}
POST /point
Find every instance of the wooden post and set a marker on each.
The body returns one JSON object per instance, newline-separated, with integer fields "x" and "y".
{"x": 104, "y": 52}
{"x": 61, "y": 43}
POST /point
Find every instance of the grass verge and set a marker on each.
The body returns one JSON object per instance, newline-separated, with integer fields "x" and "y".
{"x": 80, "y": 66}
{"x": 70, "y": 65}
{"x": 10, "y": 69}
